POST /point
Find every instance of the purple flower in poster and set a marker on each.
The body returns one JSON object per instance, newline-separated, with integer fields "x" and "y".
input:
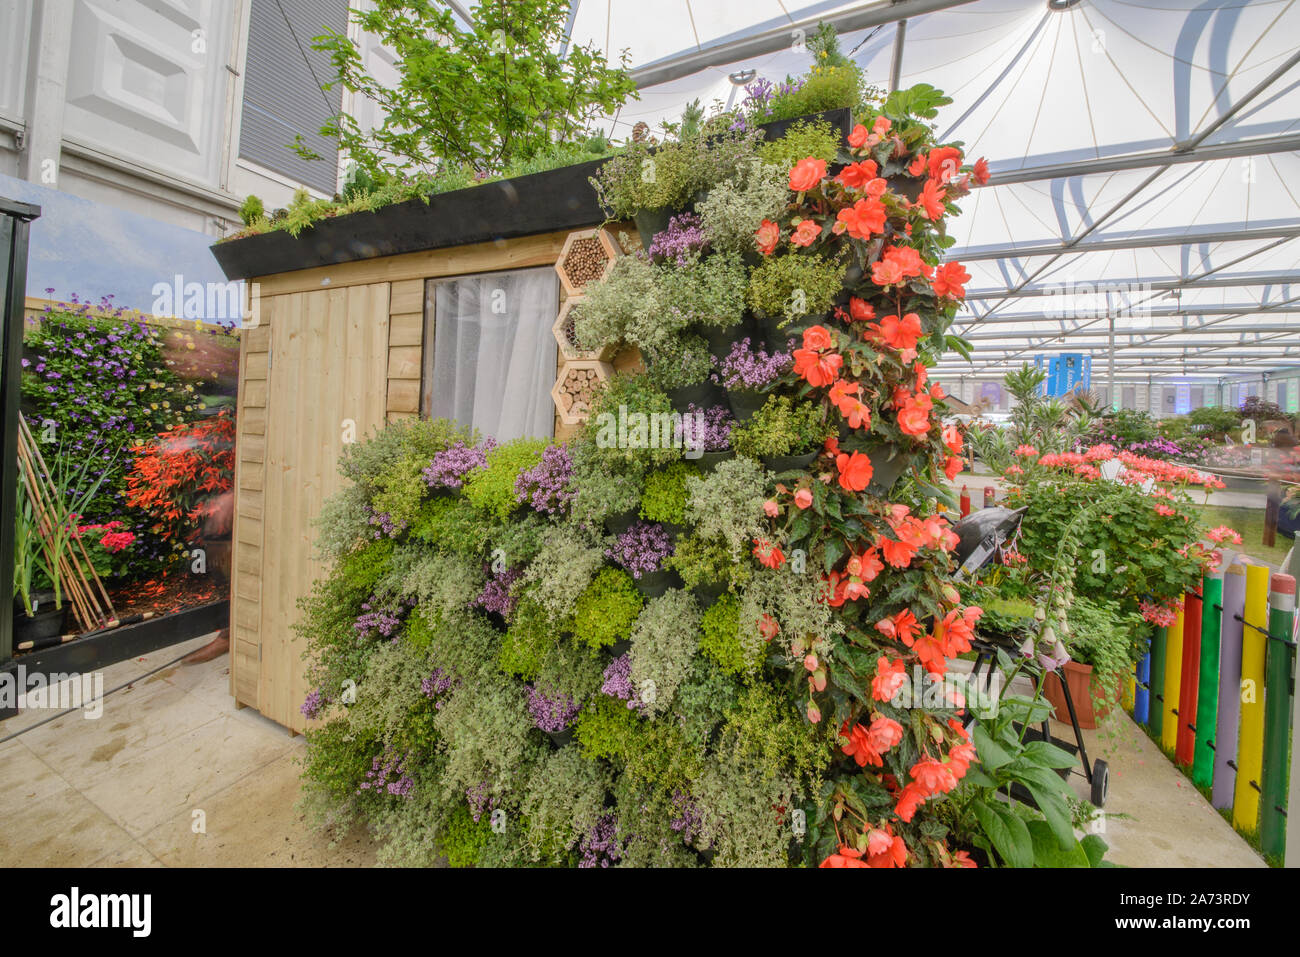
{"x": 548, "y": 485}
{"x": 551, "y": 710}
{"x": 449, "y": 467}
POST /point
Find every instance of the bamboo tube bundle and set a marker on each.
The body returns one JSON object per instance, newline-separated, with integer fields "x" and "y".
{"x": 86, "y": 593}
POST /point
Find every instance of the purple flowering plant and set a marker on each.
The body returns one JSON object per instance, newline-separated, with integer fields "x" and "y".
{"x": 681, "y": 243}
{"x": 551, "y": 710}
{"x": 548, "y": 486}
{"x": 449, "y": 467}
{"x": 709, "y": 429}
{"x": 641, "y": 549}
{"x": 747, "y": 367}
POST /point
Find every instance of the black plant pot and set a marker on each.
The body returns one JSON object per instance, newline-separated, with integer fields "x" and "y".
{"x": 620, "y": 523}
{"x": 652, "y": 221}
{"x": 561, "y": 738}
{"x": 790, "y": 463}
{"x": 654, "y": 584}
{"x": 41, "y": 629}
{"x": 708, "y": 461}
{"x": 745, "y": 402}
{"x": 708, "y": 595}
{"x": 621, "y": 647}
{"x": 720, "y": 339}
{"x": 701, "y": 395}
{"x": 777, "y": 337}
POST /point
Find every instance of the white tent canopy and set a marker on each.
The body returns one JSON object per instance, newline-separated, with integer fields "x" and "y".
{"x": 1145, "y": 158}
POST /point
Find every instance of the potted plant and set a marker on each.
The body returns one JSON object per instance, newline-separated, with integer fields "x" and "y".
{"x": 748, "y": 372}
{"x": 641, "y": 551}
{"x": 789, "y": 293}
{"x": 710, "y": 430}
{"x": 681, "y": 369}
{"x": 786, "y": 434}
{"x": 1100, "y": 639}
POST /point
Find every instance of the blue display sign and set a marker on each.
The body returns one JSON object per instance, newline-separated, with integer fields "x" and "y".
{"x": 1066, "y": 373}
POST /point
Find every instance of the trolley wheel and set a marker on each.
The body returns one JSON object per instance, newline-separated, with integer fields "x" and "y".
{"x": 1100, "y": 782}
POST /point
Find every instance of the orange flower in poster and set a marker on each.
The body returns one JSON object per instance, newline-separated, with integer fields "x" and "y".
{"x": 817, "y": 337}
{"x": 768, "y": 555}
{"x": 944, "y": 162}
{"x": 803, "y": 498}
{"x": 847, "y": 857}
{"x": 860, "y": 310}
{"x": 982, "y": 171}
{"x": 952, "y": 467}
{"x": 897, "y": 554}
{"x": 882, "y": 125}
{"x": 877, "y": 188}
{"x": 909, "y": 800}
{"x": 952, "y": 439}
{"x": 885, "y": 272}
{"x": 865, "y": 566}
{"x": 902, "y": 334}
{"x": 767, "y": 236}
{"x": 914, "y": 416}
{"x": 806, "y": 174}
{"x": 855, "y": 471}
{"x": 857, "y": 175}
{"x": 858, "y": 137}
{"x": 917, "y": 166}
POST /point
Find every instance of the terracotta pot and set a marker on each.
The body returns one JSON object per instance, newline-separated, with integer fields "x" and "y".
{"x": 1080, "y": 680}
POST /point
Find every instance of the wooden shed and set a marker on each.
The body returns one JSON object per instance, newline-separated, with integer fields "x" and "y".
{"x": 347, "y": 334}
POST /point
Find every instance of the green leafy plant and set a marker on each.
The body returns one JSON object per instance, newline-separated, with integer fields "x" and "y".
{"x": 664, "y": 499}
{"x": 682, "y": 361}
{"x": 806, "y": 138}
{"x": 664, "y": 639}
{"x": 795, "y": 287}
{"x": 735, "y": 207}
{"x": 706, "y": 562}
{"x": 668, "y": 175}
{"x": 783, "y": 426}
{"x": 604, "y": 613}
{"x": 727, "y": 504}
{"x": 500, "y": 92}
{"x": 720, "y": 638}
{"x": 622, "y": 416}
{"x": 492, "y": 489}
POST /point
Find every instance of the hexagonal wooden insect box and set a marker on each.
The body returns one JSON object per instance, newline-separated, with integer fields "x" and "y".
{"x": 588, "y": 254}
{"x": 575, "y": 388}
{"x": 562, "y": 330}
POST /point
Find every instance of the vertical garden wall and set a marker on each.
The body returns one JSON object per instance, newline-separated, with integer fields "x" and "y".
{"x": 697, "y": 631}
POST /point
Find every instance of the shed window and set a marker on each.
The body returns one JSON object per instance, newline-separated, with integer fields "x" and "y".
{"x": 489, "y": 356}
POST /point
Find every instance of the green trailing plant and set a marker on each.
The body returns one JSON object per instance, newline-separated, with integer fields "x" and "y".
{"x": 631, "y": 425}
{"x": 708, "y": 292}
{"x": 720, "y": 639}
{"x": 783, "y": 426}
{"x": 706, "y": 562}
{"x": 606, "y": 484}
{"x": 1100, "y": 634}
{"x": 733, "y": 210}
{"x": 806, "y": 138}
{"x": 795, "y": 287}
{"x": 624, "y": 305}
{"x": 727, "y": 504}
{"x": 682, "y": 361}
{"x": 664, "y": 499}
{"x": 562, "y": 802}
{"x": 668, "y": 175}
{"x": 492, "y": 489}
{"x": 564, "y": 567}
{"x": 664, "y": 639}
{"x": 604, "y": 613}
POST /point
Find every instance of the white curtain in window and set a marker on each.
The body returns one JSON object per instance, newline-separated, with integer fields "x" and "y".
{"x": 492, "y": 365}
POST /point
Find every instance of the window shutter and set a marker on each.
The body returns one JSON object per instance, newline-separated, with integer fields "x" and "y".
{"x": 282, "y": 93}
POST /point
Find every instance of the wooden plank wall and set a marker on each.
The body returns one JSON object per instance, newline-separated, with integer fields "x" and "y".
{"x": 335, "y": 345}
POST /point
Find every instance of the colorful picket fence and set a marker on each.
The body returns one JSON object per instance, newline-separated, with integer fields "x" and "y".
{"x": 1216, "y": 691}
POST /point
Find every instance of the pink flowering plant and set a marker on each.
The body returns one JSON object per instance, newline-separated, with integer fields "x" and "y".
{"x": 1144, "y": 546}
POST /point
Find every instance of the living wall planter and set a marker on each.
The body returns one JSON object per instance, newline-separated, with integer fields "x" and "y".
{"x": 790, "y": 463}
{"x": 540, "y": 202}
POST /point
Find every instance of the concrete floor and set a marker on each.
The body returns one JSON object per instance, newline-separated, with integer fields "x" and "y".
{"x": 170, "y": 775}
{"x": 125, "y": 790}
{"x": 1154, "y": 817}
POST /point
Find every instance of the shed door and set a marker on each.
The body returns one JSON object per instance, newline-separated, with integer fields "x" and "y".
{"x": 328, "y": 376}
